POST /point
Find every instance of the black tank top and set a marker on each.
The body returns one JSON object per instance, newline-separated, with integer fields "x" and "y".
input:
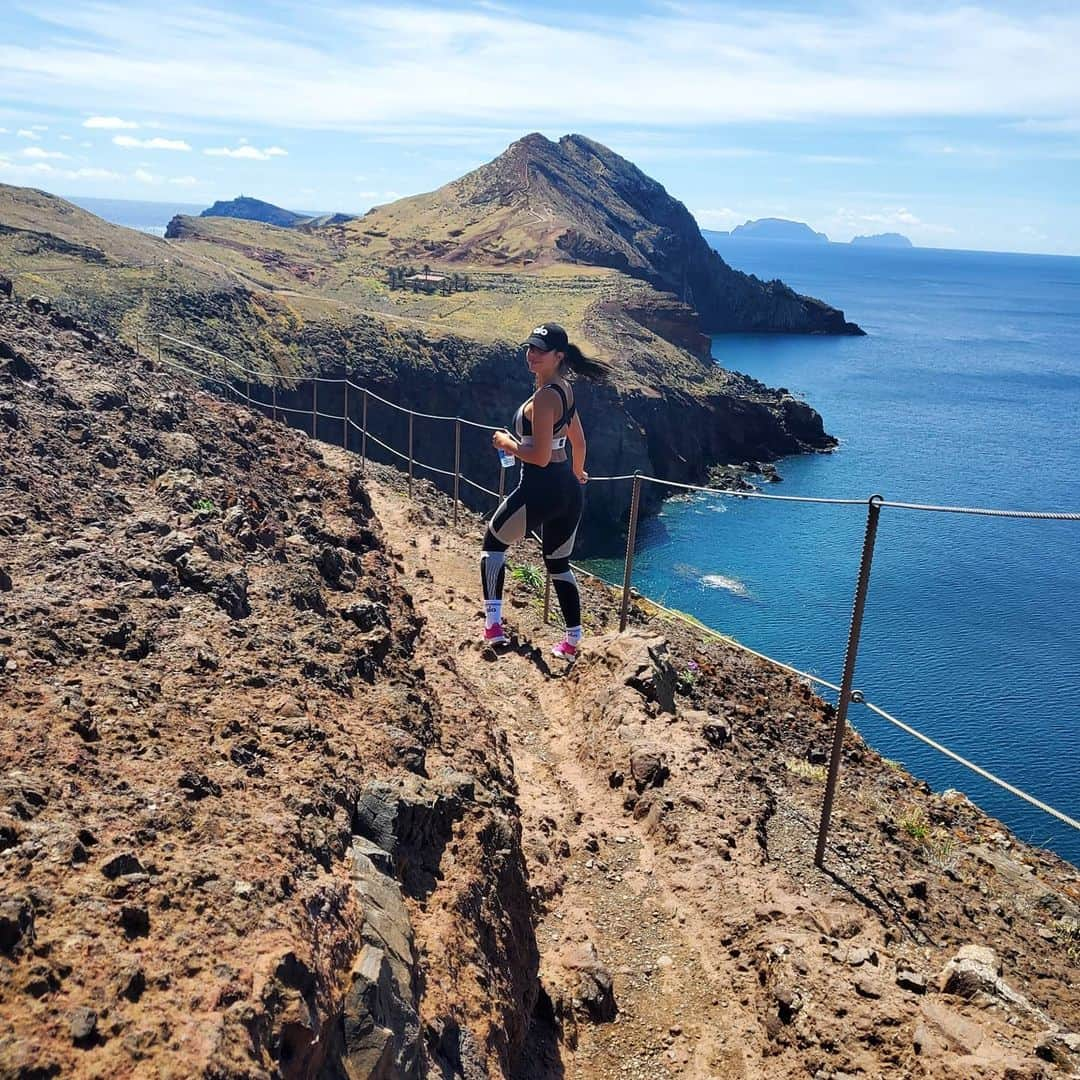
{"x": 523, "y": 425}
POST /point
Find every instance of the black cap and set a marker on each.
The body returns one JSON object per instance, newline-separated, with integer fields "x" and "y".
{"x": 547, "y": 337}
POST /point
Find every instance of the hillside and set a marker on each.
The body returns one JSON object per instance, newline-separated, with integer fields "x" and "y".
{"x": 248, "y": 209}
{"x": 304, "y": 300}
{"x": 576, "y": 201}
{"x": 268, "y": 809}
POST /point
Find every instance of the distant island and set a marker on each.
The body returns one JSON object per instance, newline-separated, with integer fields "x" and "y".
{"x": 247, "y": 208}
{"x": 885, "y": 239}
{"x": 781, "y": 230}
{"x": 778, "y": 230}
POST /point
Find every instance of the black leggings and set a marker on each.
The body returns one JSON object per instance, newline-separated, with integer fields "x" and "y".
{"x": 549, "y": 501}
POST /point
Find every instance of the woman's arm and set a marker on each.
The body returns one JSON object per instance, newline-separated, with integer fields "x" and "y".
{"x": 576, "y": 435}
{"x": 545, "y": 404}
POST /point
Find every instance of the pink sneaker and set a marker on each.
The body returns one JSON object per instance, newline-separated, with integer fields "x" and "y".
{"x": 564, "y": 650}
{"x": 494, "y": 635}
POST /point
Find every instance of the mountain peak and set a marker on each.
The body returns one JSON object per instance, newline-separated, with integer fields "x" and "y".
{"x": 578, "y": 201}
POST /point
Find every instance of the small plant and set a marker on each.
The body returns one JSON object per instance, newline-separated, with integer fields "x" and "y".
{"x": 1067, "y": 933}
{"x": 686, "y": 679}
{"x": 532, "y": 577}
{"x": 206, "y": 506}
{"x": 805, "y": 770}
{"x": 940, "y": 849}
{"x": 915, "y": 823}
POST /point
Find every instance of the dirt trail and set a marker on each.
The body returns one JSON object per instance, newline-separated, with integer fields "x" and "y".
{"x": 677, "y": 1015}
{"x": 692, "y": 894}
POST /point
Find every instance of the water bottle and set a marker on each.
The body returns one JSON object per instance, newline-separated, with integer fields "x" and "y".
{"x": 506, "y": 459}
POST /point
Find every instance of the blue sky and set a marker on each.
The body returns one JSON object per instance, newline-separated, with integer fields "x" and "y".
{"x": 957, "y": 124}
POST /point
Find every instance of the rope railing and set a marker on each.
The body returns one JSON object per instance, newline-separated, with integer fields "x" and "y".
{"x": 845, "y": 691}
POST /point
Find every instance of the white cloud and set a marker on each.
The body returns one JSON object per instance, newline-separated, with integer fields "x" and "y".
{"x": 184, "y": 181}
{"x": 722, "y": 218}
{"x": 37, "y": 152}
{"x": 1069, "y": 125}
{"x": 108, "y": 123}
{"x": 835, "y": 159}
{"x": 4, "y": 131}
{"x": 26, "y": 133}
{"x": 715, "y": 63}
{"x": 43, "y": 168}
{"x": 94, "y": 174}
{"x": 847, "y": 222}
{"x": 249, "y": 153}
{"x": 39, "y": 127}
{"x": 130, "y": 142}
{"x": 64, "y": 138}
{"x": 145, "y": 177}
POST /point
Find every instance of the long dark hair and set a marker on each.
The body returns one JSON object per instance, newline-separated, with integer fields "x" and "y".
{"x": 576, "y": 361}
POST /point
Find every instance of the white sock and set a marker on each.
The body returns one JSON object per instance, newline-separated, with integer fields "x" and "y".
{"x": 573, "y": 635}
{"x": 492, "y": 613}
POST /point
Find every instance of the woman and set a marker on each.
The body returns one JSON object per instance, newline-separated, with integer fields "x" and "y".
{"x": 548, "y": 497}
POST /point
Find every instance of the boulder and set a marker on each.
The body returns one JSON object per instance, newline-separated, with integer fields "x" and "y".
{"x": 380, "y": 1025}
{"x": 412, "y": 819}
{"x": 16, "y": 924}
{"x": 648, "y": 767}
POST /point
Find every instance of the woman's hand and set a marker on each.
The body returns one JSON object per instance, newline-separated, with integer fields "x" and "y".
{"x": 502, "y": 440}
{"x": 582, "y": 475}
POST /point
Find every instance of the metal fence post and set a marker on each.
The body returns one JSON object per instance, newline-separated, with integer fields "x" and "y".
{"x": 345, "y": 413}
{"x": 410, "y": 452}
{"x": 457, "y": 469}
{"x": 273, "y": 397}
{"x": 363, "y": 437}
{"x": 314, "y": 408}
{"x": 628, "y": 565}
{"x": 873, "y": 512}
{"x": 502, "y": 482}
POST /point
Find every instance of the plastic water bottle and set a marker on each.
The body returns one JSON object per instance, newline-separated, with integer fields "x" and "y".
{"x": 506, "y": 459}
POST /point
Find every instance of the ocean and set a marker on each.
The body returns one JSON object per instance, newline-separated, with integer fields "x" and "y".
{"x": 967, "y": 393}
{"x": 148, "y": 217}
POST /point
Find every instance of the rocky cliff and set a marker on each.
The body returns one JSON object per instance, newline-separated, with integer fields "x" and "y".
{"x": 663, "y": 427}
{"x": 249, "y": 209}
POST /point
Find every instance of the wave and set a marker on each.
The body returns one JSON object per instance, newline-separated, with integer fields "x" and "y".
{"x": 731, "y": 585}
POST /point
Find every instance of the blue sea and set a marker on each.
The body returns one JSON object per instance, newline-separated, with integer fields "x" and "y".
{"x": 966, "y": 392}
{"x": 148, "y": 217}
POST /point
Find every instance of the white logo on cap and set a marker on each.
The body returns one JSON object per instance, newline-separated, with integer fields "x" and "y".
{"x": 541, "y": 330}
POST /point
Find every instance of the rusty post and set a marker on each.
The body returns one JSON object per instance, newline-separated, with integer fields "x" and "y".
{"x": 410, "y": 452}
{"x": 345, "y": 414}
{"x": 363, "y": 436}
{"x": 861, "y": 587}
{"x": 628, "y": 565}
{"x": 457, "y": 469}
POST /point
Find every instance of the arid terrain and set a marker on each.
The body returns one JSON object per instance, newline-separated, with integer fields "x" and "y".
{"x": 268, "y": 808}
